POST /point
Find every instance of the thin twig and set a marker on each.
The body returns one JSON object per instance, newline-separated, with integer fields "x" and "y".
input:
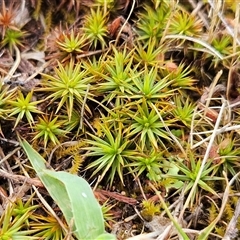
{"x": 39, "y": 70}
{"x": 236, "y": 25}
{"x": 217, "y": 132}
{"x": 88, "y": 54}
{"x": 166, "y": 28}
{"x": 212, "y": 89}
{"x": 19, "y": 178}
{"x": 123, "y": 26}
{"x": 145, "y": 236}
{"x": 213, "y": 15}
{"x": 9, "y": 155}
{"x": 141, "y": 188}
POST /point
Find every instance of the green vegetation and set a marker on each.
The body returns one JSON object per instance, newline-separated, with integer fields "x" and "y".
{"x": 132, "y": 104}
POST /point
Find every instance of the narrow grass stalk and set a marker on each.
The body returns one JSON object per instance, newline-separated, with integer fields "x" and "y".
{"x": 196, "y": 40}
{"x": 204, "y": 159}
{"x": 83, "y": 106}
{"x": 206, "y": 231}
{"x": 226, "y": 128}
{"x": 212, "y": 86}
{"x": 236, "y": 24}
{"x": 123, "y": 26}
{"x": 170, "y": 133}
{"x": 175, "y": 223}
{"x": 229, "y": 29}
{"x": 232, "y": 231}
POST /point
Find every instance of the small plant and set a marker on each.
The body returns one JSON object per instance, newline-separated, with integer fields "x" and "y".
{"x": 107, "y": 4}
{"x": 14, "y": 227}
{"x": 223, "y": 44}
{"x": 183, "y": 110}
{"x": 24, "y": 107}
{"x": 111, "y": 150}
{"x": 180, "y": 78}
{"x": 47, "y": 227}
{"x": 21, "y": 208}
{"x": 95, "y": 28}
{"x": 74, "y": 123}
{"x": 49, "y": 129}
{"x": 185, "y": 24}
{"x": 150, "y": 209}
{"x": 228, "y": 153}
{"x": 71, "y": 42}
{"x": 96, "y": 67}
{"x": 150, "y": 88}
{"x": 107, "y": 214}
{"x": 13, "y": 38}
{"x": 188, "y": 174}
{"x": 5, "y": 96}
{"x": 146, "y": 126}
{"x": 149, "y": 162}
{"x": 148, "y": 55}
{"x": 69, "y": 85}
{"x": 118, "y": 76}
{"x": 152, "y": 22}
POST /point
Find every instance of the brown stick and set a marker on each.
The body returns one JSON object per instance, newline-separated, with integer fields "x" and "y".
{"x": 18, "y": 178}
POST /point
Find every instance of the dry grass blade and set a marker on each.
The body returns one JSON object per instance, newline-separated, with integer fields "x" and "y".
{"x": 204, "y": 159}
{"x": 197, "y": 8}
{"x": 213, "y": 51}
{"x": 232, "y": 230}
{"x": 229, "y": 29}
{"x": 15, "y": 65}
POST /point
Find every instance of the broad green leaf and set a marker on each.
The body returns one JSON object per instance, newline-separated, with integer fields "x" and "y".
{"x": 79, "y": 203}
{"x": 73, "y": 195}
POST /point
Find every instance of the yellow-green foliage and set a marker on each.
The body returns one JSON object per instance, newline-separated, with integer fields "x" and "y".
{"x": 228, "y": 212}
{"x": 220, "y": 230}
{"x": 37, "y": 9}
{"x": 48, "y": 19}
{"x": 212, "y": 213}
{"x": 76, "y": 163}
{"x": 71, "y": 148}
{"x": 149, "y": 209}
{"x": 74, "y": 150}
